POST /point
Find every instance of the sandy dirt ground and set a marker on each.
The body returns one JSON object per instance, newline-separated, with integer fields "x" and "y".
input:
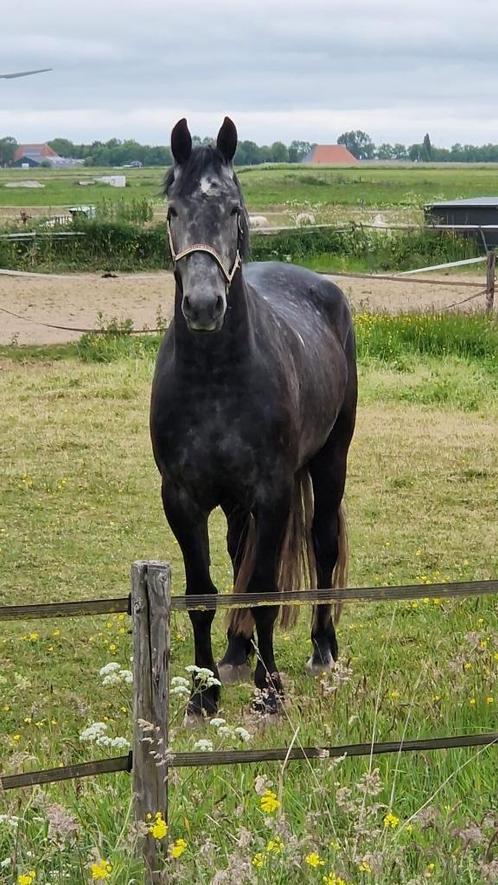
{"x": 76, "y": 300}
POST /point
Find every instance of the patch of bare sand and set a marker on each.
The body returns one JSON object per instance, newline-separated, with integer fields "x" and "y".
{"x": 77, "y": 299}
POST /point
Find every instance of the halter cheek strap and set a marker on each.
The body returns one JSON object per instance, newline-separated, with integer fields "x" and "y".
{"x": 210, "y": 250}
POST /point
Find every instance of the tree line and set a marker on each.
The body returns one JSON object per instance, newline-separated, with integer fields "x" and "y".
{"x": 120, "y": 153}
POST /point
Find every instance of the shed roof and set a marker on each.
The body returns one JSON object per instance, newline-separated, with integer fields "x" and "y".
{"x": 477, "y": 202}
{"x": 332, "y": 154}
{"x": 32, "y": 150}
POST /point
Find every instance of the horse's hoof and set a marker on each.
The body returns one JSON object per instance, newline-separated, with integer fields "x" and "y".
{"x": 193, "y": 719}
{"x": 315, "y": 667}
{"x": 230, "y": 674}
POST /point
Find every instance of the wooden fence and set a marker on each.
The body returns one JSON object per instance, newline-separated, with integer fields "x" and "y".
{"x": 150, "y": 604}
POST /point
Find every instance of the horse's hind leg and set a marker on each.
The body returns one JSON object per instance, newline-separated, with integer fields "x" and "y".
{"x": 233, "y": 667}
{"x": 328, "y": 475}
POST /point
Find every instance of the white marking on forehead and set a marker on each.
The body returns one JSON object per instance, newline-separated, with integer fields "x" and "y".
{"x": 206, "y": 184}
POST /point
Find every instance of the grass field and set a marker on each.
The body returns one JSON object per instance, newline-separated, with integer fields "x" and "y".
{"x": 279, "y": 189}
{"x": 79, "y": 500}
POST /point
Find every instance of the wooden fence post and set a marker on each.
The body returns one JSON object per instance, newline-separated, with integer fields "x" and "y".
{"x": 150, "y": 606}
{"x": 490, "y": 280}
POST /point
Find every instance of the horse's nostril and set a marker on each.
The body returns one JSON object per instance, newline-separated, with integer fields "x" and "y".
{"x": 219, "y": 304}
{"x": 186, "y": 303}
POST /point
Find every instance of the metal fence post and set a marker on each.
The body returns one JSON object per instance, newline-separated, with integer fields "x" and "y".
{"x": 490, "y": 280}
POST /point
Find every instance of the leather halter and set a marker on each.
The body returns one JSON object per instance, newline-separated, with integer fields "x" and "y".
{"x": 210, "y": 250}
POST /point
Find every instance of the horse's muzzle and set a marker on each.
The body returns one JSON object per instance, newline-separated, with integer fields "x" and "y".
{"x": 204, "y": 314}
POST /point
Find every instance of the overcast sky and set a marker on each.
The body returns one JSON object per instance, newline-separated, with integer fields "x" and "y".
{"x": 308, "y": 69}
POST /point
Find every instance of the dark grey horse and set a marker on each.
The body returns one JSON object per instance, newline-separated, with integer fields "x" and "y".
{"x": 253, "y": 410}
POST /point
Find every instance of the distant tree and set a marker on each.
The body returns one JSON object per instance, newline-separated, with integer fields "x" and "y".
{"x": 359, "y": 143}
{"x": 298, "y": 151}
{"x": 400, "y": 152}
{"x": 427, "y": 147}
{"x": 279, "y": 152}
{"x": 63, "y": 147}
{"x": 385, "y": 152}
{"x": 8, "y": 147}
{"x": 416, "y": 152}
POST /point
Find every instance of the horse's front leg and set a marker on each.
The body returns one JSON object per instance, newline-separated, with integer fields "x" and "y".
{"x": 271, "y": 525}
{"x": 190, "y": 527}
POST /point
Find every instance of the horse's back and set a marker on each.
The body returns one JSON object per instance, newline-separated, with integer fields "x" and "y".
{"x": 296, "y": 293}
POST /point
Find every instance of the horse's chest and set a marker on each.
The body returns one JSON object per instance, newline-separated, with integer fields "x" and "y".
{"x": 209, "y": 444}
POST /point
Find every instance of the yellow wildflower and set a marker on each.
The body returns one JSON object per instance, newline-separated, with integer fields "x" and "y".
{"x": 467, "y": 665}
{"x": 16, "y": 738}
{"x": 275, "y": 846}
{"x": 394, "y": 695}
{"x": 26, "y": 878}
{"x": 489, "y": 699}
{"x": 178, "y": 847}
{"x": 259, "y": 860}
{"x": 391, "y": 821}
{"x": 269, "y": 802}
{"x": 430, "y": 869}
{"x": 314, "y": 860}
{"x": 332, "y": 879}
{"x": 56, "y": 632}
{"x": 364, "y": 866}
{"x": 159, "y": 828}
{"x": 472, "y": 702}
{"x": 101, "y": 870}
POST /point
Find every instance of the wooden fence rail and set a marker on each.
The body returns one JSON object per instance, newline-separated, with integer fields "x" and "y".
{"x": 387, "y": 593}
{"x": 150, "y": 605}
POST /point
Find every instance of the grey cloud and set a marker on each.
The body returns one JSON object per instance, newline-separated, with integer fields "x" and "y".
{"x": 383, "y": 62}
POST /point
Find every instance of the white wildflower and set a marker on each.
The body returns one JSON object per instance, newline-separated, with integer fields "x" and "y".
{"x": 204, "y": 745}
{"x": 180, "y": 681}
{"x": 5, "y": 863}
{"x": 180, "y": 690}
{"x": 93, "y": 731}
{"x": 111, "y": 679}
{"x": 217, "y": 722}
{"x": 112, "y": 667}
{"x": 243, "y": 734}
{"x": 120, "y": 743}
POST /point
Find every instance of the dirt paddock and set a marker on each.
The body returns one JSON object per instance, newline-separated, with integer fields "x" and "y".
{"x": 77, "y": 300}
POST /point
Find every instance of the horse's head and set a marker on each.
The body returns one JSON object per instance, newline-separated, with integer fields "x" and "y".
{"x": 207, "y": 224}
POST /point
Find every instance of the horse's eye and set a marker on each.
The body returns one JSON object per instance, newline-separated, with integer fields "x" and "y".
{"x": 172, "y": 213}
{"x": 235, "y": 210}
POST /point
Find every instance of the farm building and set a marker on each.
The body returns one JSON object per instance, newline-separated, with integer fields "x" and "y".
{"x": 331, "y": 155}
{"x": 33, "y": 154}
{"x": 473, "y": 211}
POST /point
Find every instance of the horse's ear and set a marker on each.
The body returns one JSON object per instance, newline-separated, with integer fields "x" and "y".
{"x": 181, "y": 142}
{"x": 227, "y": 140}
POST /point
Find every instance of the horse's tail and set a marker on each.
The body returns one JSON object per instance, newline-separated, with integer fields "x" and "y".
{"x": 296, "y": 567}
{"x": 340, "y": 572}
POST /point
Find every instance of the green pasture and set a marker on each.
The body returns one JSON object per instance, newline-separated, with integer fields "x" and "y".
{"x": 267, "y": 187}
{"x": 79, "y": 501}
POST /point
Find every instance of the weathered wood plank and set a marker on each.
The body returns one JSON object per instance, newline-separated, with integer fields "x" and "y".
{"x": 52, "y": 775}
{"x": 72, "y": 609}
{"x": 353, "y": 594}
{"x": 150, "y": 599}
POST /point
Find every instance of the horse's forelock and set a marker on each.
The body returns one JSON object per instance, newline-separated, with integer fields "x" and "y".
{"x": 203, "y": 159}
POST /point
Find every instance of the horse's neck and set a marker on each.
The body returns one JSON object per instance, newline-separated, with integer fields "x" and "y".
{"x": 232, "y": 345}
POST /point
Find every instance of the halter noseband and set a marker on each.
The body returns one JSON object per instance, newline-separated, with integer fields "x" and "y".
{"x": 210, "y": 250}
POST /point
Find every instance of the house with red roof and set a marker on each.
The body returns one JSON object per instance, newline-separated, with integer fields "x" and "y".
{"x": 33, "y": 154}
{"x": 331, "y": 155}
